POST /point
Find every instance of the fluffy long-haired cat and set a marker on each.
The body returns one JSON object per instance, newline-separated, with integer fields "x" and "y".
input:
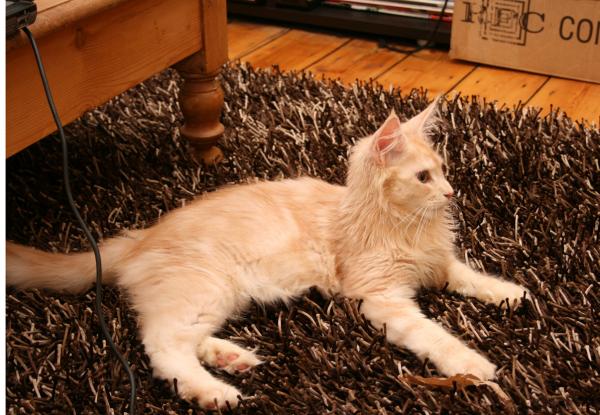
{"x": 379, "y": 238}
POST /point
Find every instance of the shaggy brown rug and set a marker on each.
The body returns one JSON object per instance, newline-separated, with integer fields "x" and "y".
{"x": 529, "y": 202}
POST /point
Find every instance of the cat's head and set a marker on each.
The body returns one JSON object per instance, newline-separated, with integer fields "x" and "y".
{"x": 401, "y": 161}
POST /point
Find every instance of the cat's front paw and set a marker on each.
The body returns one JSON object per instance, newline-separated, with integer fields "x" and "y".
{"x": 468, "y": 362}
{"x": 503, "y": 291}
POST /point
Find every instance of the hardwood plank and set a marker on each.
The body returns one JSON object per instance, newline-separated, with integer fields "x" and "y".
{"x": 580, "y": 100}
{"x": 431, "y": 69}
{"x": 245, "y": 37}
{"x": 295, "y": 50}
{"x": 91, "y": 61}
{"x": 358, "y": 59}
{"x": 505, "y": 86}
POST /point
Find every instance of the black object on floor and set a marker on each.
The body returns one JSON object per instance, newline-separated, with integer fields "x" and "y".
{"x": 81, "y": 223}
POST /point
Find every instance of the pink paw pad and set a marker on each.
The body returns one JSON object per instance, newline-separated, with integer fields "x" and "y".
{"x": 242, "y": 367}
{"x": 223, "y": 361}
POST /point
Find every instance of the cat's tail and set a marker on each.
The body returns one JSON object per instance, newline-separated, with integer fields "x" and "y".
{"x": 31, "y": 268}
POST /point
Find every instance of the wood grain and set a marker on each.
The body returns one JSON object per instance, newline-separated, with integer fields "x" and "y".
{"x": 94, "y": 59}
{"x": 430, "y": 69}
{"x": 55, "y": 15}
{"x": 43, "y": 5}
{"x": 213, "y": 29}
{"x": 295, "y": 50}
{"x": 201, "y": 101}
{"x": 502, "y": 85}
{"x": 245, "y": 37}
{"x": 358, "y": 59}
{"x": 580, "y": 100}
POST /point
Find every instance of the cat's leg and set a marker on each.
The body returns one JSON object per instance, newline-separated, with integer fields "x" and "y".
{"x": 407, "y": 327}
{"x": 486, "y": 288}
{"x": 172, "y": 348}
{"x": 226, "y": 355}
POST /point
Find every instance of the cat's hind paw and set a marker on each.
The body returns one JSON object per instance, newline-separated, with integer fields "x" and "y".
{"x": 211, "y": 396}
{"x": 504, "y": 291}
{"x": 227, "y": 355}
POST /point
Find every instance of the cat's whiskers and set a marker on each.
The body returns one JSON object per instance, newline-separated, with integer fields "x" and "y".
{"x": 410, "y": 216}
{"x": 400, "y": 222}
{"x": 421, "y": 226}
{"x": 450, "y": 212}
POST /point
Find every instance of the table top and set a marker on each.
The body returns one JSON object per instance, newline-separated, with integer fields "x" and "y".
{"x": 55, "y": 14}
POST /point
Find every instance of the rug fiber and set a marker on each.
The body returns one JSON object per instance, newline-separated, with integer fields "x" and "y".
{"x": 528, "y": 195}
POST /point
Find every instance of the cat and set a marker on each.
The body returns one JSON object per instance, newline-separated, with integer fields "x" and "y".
{"x": 386, "y": 233}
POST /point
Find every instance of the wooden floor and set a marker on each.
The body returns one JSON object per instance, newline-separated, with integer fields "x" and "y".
{"x": 351, "y": 58}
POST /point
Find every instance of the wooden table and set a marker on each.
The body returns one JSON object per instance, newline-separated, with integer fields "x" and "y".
{"x": 95, "y": 49}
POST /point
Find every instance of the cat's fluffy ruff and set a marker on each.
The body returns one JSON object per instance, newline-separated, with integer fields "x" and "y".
{"x": 379, "y": 238}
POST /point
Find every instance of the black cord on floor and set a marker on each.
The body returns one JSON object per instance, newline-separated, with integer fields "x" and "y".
{"x": 87, "y": 232}
{"x": 384, "y": 44}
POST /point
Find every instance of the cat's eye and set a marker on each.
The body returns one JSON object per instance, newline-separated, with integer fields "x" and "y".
{"x": 423, "y": 176}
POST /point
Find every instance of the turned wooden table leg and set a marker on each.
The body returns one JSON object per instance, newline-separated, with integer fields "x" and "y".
{"x": 201, "y": 101}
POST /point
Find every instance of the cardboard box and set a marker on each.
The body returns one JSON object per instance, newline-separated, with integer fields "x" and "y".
{"x": 554, "y": 37}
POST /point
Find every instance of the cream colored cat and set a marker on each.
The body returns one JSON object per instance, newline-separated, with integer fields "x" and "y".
{"x": 380, "y": 238}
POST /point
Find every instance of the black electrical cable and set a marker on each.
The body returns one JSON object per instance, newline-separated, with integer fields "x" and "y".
{"x": 384, "y": 44}
{"x": 87, "y": 232}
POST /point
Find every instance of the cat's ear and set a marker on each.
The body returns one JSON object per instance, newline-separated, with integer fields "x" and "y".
{"x": 387, "y": 139}
{"x": 425, "y": 122}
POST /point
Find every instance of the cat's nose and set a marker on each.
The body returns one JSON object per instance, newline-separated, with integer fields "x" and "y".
{"x": 449, "y": 195}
